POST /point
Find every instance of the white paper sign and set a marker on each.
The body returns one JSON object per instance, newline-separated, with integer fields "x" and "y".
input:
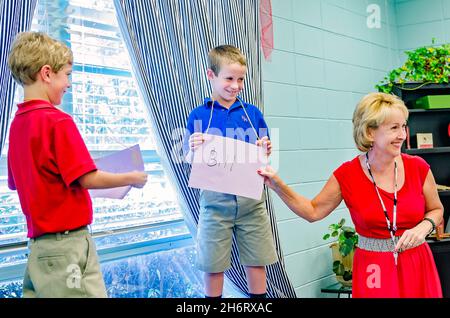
{"x": 126, "y": 160}
{"x": 228, "y": 166}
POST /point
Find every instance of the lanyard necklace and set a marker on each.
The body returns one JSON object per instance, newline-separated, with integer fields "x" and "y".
{"x": 392, "y": 229}
{"x": 242, "y": 105}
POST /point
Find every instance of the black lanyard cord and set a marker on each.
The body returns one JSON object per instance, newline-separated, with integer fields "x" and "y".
{"x": 393, "y": 229}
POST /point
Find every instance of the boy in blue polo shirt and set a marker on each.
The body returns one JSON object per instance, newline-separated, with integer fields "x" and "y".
{"x": 222, "y": 214}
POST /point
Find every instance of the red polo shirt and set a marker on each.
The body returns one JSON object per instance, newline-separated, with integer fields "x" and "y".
{"x": 45, "y": 158}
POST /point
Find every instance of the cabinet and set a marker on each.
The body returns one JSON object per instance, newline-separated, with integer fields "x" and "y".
{"x": 433, "y": 121}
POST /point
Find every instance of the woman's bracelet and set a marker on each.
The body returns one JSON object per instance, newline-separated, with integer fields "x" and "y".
{"x": 433, "y": 225}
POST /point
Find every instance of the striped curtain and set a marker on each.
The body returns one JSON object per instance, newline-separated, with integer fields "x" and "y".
{"x": 16, "y": 16}
{"x": 168, "y": 41}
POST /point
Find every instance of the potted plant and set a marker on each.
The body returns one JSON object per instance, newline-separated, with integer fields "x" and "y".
{"x": 425, "y": 65}
{"x": 342, "y": 250}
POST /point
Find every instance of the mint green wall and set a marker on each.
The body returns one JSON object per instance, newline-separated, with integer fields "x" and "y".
{"x": 418, "y": 21}
{"x": 325, "y": 59}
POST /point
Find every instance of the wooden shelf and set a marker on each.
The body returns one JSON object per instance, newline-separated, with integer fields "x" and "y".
{"x": 444, "y": 193}
{"x": 419, "y": 110}
{"x": 427, "y": 150}
{"x": 412, "y": 88}
{"x": 434, "y": 121}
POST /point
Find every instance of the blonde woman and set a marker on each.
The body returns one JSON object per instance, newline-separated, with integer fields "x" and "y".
{"x": 392, "y": 199}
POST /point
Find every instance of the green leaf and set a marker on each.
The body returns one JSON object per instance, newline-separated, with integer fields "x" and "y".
{"x": 348, "y": 229}
{"x": 326, "y": 236}
{"x": 424, "y": 64}
{"x": 346, "y": 247}
{"x": 338, "y": 268}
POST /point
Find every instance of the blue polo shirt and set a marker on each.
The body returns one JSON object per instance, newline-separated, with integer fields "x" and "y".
{"x": 231, "y": 122}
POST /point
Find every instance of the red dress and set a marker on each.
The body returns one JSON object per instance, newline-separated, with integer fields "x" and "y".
{"x": 375, "y": 273}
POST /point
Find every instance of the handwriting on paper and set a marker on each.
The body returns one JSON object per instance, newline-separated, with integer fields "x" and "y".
{"x": 228, "y": 166}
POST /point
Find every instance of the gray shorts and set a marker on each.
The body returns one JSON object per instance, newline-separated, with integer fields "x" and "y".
{"x": 221, "y": 215}
{"x": 63, "y": 265}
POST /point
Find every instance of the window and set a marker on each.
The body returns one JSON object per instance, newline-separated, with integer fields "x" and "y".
{"x": 106, "y": 107}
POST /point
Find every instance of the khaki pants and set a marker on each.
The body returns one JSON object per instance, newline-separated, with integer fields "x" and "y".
{"x": 63, "y": 265}
{"x": 223, "y": 216}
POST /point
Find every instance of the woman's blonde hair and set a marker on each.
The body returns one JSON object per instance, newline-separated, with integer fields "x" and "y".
{"x": 371, "y": 112}
{"x": 224, "y": 54}
{"x": 32, "y": 50}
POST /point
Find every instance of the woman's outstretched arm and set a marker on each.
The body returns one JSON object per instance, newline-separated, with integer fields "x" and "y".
{"x": 311, "y": 210}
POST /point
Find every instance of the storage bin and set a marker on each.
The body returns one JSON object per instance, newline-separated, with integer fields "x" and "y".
{"x": 433, "y": 102}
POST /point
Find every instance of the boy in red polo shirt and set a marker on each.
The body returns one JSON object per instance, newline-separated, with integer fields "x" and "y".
{"x": 51, "y": 168}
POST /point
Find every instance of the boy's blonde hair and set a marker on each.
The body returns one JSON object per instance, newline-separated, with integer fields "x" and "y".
{"x": 32, "y": 50}
{"x": 224, "y": 54}
{"x": 371, "y": 112}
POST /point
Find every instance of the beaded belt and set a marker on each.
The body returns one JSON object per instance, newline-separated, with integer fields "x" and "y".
{"x": 376, "y": 245}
